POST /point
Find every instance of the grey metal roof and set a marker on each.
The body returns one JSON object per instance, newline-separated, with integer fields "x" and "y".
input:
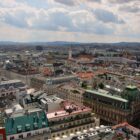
{"x": 107, "y": 95}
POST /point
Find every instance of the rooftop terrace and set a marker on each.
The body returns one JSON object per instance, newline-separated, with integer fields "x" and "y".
{"x": 69, "y": 109}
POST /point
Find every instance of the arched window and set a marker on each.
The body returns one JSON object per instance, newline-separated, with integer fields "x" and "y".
{"x": 11, "y": 88}
{"x": 3, "y": 90}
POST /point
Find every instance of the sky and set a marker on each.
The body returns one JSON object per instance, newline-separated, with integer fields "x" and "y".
{"x": 70, "y": 20}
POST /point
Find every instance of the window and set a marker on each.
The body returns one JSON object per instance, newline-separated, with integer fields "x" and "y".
{"x": 3, "y": 95}
{"x": 45, "y": 131}
{"x": 11, "y": 138}
{"x": 46, "y": 138}
{"x": 3, "y": 90}
{"x": 62, "y": 134}
{"x": 20, "y": 136}
{"x": 36, "y": 132}
{"x": 28, "y": 134}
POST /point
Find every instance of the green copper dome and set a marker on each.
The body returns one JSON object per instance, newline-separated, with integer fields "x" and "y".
{"x": 131, "y": 93}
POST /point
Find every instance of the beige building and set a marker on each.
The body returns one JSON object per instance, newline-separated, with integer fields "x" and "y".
{"x": 11, "y": 88}
{"x": 72, "y": 119}
{"x": 71, "y": 92}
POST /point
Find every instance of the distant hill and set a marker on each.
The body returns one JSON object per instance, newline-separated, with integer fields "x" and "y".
{"x": 56, "y": 43}
{"x": 64, "y": 43}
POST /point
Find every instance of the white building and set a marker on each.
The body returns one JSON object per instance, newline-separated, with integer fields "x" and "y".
{"x": 11, "y": 88}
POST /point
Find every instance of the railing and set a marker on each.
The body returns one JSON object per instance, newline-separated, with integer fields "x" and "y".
{"x": 88, "y": 101}
{"x": 69, "y": 120}
{"x": 72, "y": 126}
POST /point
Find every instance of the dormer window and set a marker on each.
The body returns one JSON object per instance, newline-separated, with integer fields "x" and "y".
{"x": 27, "y": 127}
{"x": 28, "y": 134}
{"x": 43, "y": 124}
{"x": 12, "y": 138}
{"x": 20, "y": 136}
{"x": 35, "y": 125}
{"x": 11, "y": 88}
{"x": 19, "y": 129}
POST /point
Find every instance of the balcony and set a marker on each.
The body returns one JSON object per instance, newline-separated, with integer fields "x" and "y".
{"x": 71, "y": 119}
{"x": 72, "y": 126}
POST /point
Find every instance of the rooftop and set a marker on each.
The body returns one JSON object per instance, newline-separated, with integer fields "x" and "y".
{"x": 131, "y": 87}
{"x": 52, "y": 99}
{"x": 9, "y": 82}
{"x": 107, "y": 95}
{"x": 85, "y": 75}
{"x": 15, "y": 108}
{"x": 128, "y": 130}
{"x": 26, "y": 122}
{"x": 73, "y": 88}
{"x": 126, "y": 125}
{"x": 62, "y": 77}
{"x": 69, "y": 109}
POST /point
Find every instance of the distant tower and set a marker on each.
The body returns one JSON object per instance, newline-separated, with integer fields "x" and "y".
{"x": 70, "y": 53}
{"x": 94, "y": 52}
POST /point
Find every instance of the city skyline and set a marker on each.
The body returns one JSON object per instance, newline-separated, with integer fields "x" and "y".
{"x": 70, "y": 20}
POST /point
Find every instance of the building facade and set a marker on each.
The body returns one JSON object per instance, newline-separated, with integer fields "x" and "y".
{"x": 31, "y": 125}
{"x": 115, "y": 109}
{"x": 71, "y": 92}
{"x": 72, "y": 119}
{"x": 11, "y": 87}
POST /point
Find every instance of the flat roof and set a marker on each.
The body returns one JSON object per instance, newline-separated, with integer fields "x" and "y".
{"x": 63, "y": 113}
{"x": 107, "y": 95}
{"x": 53, "y": 99}
{"x": 61, "y": 77}
{"x": 9, "y": 82}
{"x": 131, "y": 87}
{"x": 113, "y": 88}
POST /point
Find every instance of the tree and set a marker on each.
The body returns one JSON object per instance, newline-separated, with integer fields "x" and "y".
{"x": 84, "y": 84}
{"x": 101, "y": 86}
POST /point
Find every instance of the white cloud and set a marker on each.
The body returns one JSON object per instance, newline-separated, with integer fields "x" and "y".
{"x": 87, "y": 17}
{"x": 66, "y": 2}
{"x": 99, "y": 1}
{"x": 130, "y": 8}
{"x": 122, "y": 1}
{"x": 107, "y": 16}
